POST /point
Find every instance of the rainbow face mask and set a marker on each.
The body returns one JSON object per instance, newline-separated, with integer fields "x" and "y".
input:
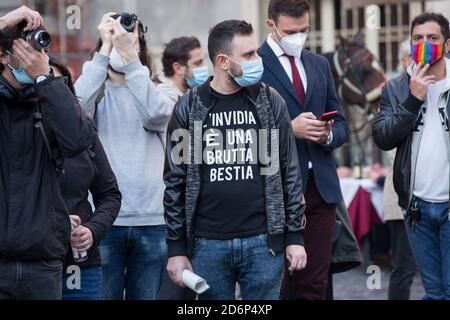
{"x": 427, "y": 53}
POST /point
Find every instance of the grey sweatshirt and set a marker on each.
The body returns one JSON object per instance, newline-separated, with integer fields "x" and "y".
{"x": 131, "y": 121}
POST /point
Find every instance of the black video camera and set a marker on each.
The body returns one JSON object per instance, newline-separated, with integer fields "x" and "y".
{"x": 38, "y": 39}
{"x": 128, "y": 21}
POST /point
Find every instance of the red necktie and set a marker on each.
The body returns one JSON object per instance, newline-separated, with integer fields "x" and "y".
{"x": 297, "y": 80}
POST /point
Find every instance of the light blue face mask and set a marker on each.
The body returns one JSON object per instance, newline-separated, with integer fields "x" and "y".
{"x": 200, "y": 76}
{"x": 252, "y": 72}
{"x": 20, "y": 74}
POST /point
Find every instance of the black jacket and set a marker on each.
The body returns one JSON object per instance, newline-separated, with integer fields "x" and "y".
{"x": 90, "y": 171}
{"x": 284, "y": 198}
{"x": 34, "y": 224}
{"x": 393, "y": 128}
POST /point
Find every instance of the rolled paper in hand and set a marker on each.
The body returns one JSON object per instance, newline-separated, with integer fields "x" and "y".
{"x": 194, "y": 282}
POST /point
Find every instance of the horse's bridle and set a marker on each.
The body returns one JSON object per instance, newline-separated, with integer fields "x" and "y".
{"x": 343, "y": 80}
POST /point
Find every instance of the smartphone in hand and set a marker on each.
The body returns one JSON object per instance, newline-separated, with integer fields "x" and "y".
{"x": 328, "y": 116}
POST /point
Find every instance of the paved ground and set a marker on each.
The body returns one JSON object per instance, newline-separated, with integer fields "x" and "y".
{"x": 352, "y": 285}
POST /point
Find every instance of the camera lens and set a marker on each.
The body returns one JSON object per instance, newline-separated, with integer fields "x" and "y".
{"x": 44, "y": 39}
{"x": 38, "y": 39}
{"x": 128, "y": 21}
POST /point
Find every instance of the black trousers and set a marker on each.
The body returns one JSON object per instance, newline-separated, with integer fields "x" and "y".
{"x": 31, "y": 280}
{"x": 402, "y": 262}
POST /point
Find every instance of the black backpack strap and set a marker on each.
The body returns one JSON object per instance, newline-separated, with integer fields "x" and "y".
{"x": 38, "y": 124}
{"x": 54, "y": 153}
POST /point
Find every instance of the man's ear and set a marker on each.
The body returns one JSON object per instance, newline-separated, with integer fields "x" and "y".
{"x": 178, "y": 68}
{"x": 4, "y": 57}
{"x": 222, "y": 62}
{"x": 270, "y": 23}
{"x": 447, "y": 46}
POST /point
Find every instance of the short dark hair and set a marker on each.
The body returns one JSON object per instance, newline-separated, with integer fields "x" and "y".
{"x": 221, "y": 36}
{"x": 178, "y": 50}
{"x": 65, "y": 72}
{"x": 290, "y": 8}
{"x": 432, "y": 16}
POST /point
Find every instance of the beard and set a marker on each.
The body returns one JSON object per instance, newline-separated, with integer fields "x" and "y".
{"x": 235, "y": 71}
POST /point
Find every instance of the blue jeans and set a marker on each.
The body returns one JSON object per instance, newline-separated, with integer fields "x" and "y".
{"x": 430, "y": 242}
{"x": 90, "y": 281}
{"x": 248, "y": 261}
{"x": 133, "y": 262}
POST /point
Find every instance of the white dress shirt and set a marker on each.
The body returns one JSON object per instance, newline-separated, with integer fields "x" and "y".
{"x": 284, "y": 60}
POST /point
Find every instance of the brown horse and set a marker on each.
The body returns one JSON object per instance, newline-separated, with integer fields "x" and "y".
{"x": 359, "y": 79}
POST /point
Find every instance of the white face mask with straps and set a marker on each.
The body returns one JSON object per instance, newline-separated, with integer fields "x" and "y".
{"x": 116, "y": 61}
{"x": 293, "y": 44}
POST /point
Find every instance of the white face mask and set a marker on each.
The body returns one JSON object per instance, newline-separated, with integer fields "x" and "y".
{"x": 293, "y": 44}
{"x": 116, "y": 61}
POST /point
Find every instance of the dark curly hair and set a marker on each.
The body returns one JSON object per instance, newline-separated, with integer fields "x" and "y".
{"x": 178, "y": 50}
{"x": 432, "y": 16}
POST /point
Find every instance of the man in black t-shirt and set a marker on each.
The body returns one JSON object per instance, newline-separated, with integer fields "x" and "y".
{"x": 233, "y": 199}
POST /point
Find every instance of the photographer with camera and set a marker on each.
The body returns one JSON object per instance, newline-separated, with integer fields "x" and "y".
{"x": 132, "y": 115}
{"x": 40, "y": 124}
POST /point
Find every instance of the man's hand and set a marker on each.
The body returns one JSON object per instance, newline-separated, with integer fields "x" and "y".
{"x": 419, "y": 81}
{"x": 33, "y": 18}
{"x": 328, "y": 128}
{"x": 75, "y": 221}
{"x": 297, "y": 257}
{"x": 106, "y": 30}
{"x": 306, "y": 126}
{"x": 176, "y": 266}
{"x": 34, "y": 62}
{"x": 81, "y": 239}
{"x": 125, "y": 42}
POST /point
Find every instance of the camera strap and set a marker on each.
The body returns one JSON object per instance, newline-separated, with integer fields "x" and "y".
{"x": 54, "y": 153}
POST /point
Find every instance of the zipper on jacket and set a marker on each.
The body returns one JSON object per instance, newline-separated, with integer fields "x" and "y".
{"x": 199, "y": 191}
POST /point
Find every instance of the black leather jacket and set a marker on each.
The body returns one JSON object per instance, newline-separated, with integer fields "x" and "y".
{"x": 393, "y": 128}
{"x": 284, "y": 199}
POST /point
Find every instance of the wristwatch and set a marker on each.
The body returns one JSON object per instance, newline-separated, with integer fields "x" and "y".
{"x": 41, "y": 77}
{"x": 330, "y": 138}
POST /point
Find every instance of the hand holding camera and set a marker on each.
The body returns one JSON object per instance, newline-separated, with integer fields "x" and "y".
{"x": 106, "y": 30}
{"x": 33, "y": 18}
{"x": 34, "y": 62}
{"x": 124, "y": 42}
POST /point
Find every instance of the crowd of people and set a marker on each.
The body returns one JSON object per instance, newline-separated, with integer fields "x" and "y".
{"x": 133, "y": 178}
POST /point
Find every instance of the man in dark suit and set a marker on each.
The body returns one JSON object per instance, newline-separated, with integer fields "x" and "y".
{"x": 305, "y": 81}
